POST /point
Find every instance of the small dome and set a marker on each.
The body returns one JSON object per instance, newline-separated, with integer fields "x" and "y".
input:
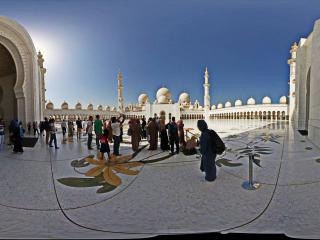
{"x": 90, "y": 106}
{"x": 184, "y": 98}
{"x": 190, "y": 107}
{"x": 200, "y": 108}
{"x": 227, "y": 104}
{"x": 143, "y": 99}
{"x": 64, "y": 105}
{"x": 251, "y": 101}
{"x": 162, "y": 99}
{"x": 266, "y": 100}
{"x": 99, "y": 107}
{"x": 49, "y": 105}
{"x": 113, "y": 109}
{"x": 283, "y": 100}
{"x": 213, "y": 107}
{"x": 107, "y": 108}
{"x": 238, "y": 103}
{"x": 164, "y": 92}
{"x": 220, "y": 105}
{"x": 78, "y": 106}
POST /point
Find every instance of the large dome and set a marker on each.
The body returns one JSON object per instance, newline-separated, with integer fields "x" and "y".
{"x": 78, "y": 106}
{"x": 251, "y": 101}
{"x": 143, "y": 99}
{"x": 238, "y": 102}
{"x": 90, "y": 106}
{"x": 64, "y": 105}
{"x": 184, "y": 98}
{"x": 162, "y": 99}
{"x": 49, "y": 105}
{"x": 99, "y": 107}
{"x": 266, "y": 100}
{"x": 164, "y": 92}
{"x": 227, "y": 104}
{"x": 283, "y": 100}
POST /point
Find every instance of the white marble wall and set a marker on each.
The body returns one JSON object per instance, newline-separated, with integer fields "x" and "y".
{"x": 314, "y": 115}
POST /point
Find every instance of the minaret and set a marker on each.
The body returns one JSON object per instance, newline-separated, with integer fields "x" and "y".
{"x": 292, "y": 80}
{"x": 42, "y": 84}
{"x": 120, "y": 97}
{"x": 206, "y": 86}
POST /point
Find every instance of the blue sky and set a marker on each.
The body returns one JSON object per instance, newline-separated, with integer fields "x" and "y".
{"x": 244, "y": 43}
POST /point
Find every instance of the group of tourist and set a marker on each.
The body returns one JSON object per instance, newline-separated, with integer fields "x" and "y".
{"x": 171, "y": 134}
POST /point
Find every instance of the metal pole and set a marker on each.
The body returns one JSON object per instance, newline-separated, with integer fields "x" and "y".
{"x": 250, "y": 184}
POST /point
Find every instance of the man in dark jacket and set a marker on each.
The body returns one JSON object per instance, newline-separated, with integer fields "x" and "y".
{"x": 208, "y": 164}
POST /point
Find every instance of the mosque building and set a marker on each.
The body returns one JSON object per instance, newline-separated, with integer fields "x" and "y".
{"x": 22, "y": 90}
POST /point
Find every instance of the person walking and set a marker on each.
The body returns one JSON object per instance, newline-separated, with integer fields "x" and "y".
{"x": 47, "y": 129}
{"x": 98, "y": 129}
{"x": 89, "y": 130}
{"x": 208, "y": 156}
{"x": 53, "y": 136}
{"x": 173, "y": 135}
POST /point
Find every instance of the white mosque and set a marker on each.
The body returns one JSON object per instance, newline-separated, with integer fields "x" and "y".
{"x": 165, "y": 106}
{"x": 22, "y": 90}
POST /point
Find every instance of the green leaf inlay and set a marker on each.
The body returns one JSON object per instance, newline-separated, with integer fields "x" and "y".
{"x": 106, "y": 188}
{"x": 80, "y": 182}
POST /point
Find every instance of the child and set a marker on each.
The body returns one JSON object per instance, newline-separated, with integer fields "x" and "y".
{"x": 104, "y": 144}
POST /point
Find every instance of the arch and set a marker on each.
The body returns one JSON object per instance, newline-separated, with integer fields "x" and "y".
{"x": 29, "y": 97}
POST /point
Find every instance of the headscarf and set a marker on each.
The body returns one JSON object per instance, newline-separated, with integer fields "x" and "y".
{"x": 202, "y": 125}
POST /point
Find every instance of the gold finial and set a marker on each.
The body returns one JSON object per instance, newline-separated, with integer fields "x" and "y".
{"x": 294, "y": 47}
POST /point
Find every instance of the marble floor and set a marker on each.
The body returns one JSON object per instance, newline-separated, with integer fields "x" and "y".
{"x": 69, "y": 193}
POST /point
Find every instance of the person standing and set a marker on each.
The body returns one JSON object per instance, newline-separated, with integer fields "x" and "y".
{"x": 153, "y": 133}
{"x": 53, "y": 136}
{"x": 143, "y": 126}
{"x": 1, "y": 134}
{"x": 104, "y": 144}
{"x": 116, "y": 132}
{"x": 79, "y": 128}
{"x": 89, "y": 129}
{"x": 180, "y": 125}
{"x": 164, "y": 143}
{"x": 17, "y": 137}
{"x": 64, "y": 128}
{"x": 135, "y": 129}
{"x": 98, "y": 130}
{"x": 208, "y": 164}
{"x": 173, "y": 135}
{"x": 35, "y": 128}
{"x": 29, "y": 128}
{"x": 47, "y": 129}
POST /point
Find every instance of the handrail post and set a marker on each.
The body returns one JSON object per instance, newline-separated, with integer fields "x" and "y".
{"x": 250, "y": 184}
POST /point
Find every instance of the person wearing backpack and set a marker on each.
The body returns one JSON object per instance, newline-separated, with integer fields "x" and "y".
{"x": 208, "y": 164}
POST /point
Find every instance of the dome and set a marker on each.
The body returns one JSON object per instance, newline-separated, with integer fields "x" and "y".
{"x": 143, "y": 99}
{"x": 78, "y": 106}
{"x": 213, "y": 107}
{"x": 238, "y": 103}
{"x": 64, "y": 105}
{"x": 90, "y": 106}
{"x": 113, "y": 109}
{"x": 220, "y": 105}
{"x": 164, "y": 92}
{"x": 200, "y": 108}
{"x": 266, "y": 100}
{"x": 184, "y": 98}
{"x": 127, "y": 109}
{"x": 107, "y": 108}
{"x": 99, "y": 107}
{"x": 283, "y": 100}
{"x": 190, "y": 107}
{"x": 49, "y": 105}
{"x": 227, "y": 104}
{"x": 251, "y": 101}
{"x": 162, "y": 99}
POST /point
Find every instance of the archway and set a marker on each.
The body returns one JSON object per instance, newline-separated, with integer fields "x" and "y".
{"x": 8, "y": 101}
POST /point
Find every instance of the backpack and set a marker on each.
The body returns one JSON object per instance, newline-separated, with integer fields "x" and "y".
{"x": 217, "y": 144}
